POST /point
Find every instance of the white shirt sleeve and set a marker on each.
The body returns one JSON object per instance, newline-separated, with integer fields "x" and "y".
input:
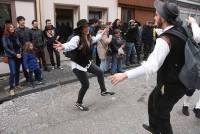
{"x": 154, "y": 62}
{"x": 196, "y": 32}
{"x": 72, "y": 44}
{"x": 96, "y": 38}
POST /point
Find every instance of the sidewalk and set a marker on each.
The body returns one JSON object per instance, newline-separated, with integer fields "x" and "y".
{"x": 51, "y": 79}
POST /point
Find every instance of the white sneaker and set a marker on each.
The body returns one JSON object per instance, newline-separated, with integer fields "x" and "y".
{"x": 53, "y": 67}
{"x": 60, "y": 67}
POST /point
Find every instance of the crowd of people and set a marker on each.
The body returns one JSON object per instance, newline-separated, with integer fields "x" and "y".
{"x": 26, "y": 46}
{"x": 121, "y": 44}
{"x": 99, "y": 47}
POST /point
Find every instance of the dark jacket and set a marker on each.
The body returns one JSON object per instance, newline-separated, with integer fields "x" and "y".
{"x": 24, "y": 35}
{"x": 37, "y": 38}
{"x": 50, "y": 40}
{"x": 11, "y": 46}
{"x": 30, "y": 61}
{"x": 132, "y": 34}
{"x": 147, "y": 34}
{"x": 115, "y": 44}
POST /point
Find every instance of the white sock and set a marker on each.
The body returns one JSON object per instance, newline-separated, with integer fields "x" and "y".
{"x": 198, "y": 103}
{"x": 187, "y": 101}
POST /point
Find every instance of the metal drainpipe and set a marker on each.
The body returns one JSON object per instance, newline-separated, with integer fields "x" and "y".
{"x": 38, "y": 12}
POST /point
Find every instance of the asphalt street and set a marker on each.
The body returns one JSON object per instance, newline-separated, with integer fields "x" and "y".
{"x": 52, "y": 111}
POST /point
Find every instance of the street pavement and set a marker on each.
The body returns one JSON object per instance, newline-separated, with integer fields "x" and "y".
{"x": 52, "y": 111}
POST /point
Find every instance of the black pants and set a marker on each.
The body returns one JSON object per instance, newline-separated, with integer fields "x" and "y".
{"x": 138, "y": 48}
{"x": 160, "y": 105}
{"x": 51, "y": 50}
{"x": 83, "y": 78}
{"x": 38, "y": 75}
{"x": 147, "y": 49}
{"x": 40, "y": 54}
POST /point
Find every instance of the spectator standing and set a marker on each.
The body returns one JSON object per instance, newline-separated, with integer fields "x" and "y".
{"x": 130, "y": 45}
{"x": 31, "y": 65}
{"x": 93, "y": 29}
{"x": 51, "y": 36}
{"x": 24, "y": 35}
{"x": 117, "y": 45}
{"x": 12, "y": 48}
{"x": 147, "y": 39}
{"x": 102, "y": 48}
{"x": 39, "y": 44}
{"x": 115, "y": 25}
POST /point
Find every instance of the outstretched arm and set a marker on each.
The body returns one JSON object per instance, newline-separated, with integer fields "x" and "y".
{"x": 153, "y": 63}
{"x": 195, "y": 28}
{"x": 68, "y": 46}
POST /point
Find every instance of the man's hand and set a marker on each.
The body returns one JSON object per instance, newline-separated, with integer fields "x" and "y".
{"x": 116, "y": 78}
{"x": 191, "y": 20}
{"x": 106, "y": 30}
{"x": 18, "y": 56}
{"x": 58, "y": 46}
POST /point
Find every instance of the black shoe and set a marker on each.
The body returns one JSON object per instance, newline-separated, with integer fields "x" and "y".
{"x": 127, "y": 64}
{"x": 121, "y": 71}
{"x": 185, "y": 111}
{"x": 106, "y": 72}
{"x": 197, "y": 112}
{"x": 30, "y": 84}
{"x": 46, "y": 69}
{"x": 81, "y": 107}
{"x": 132, "y": 62}
{"x": 107, "y": 93}
{"x": 112, "y": 73}
{"x": 150, "y": 129}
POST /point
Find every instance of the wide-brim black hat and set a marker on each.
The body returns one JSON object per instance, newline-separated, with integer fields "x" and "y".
{"x": 168, "y": 11}
{"x": 81, "y": 23}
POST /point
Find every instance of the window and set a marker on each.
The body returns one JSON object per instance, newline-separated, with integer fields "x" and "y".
{"x": 127, "y": 14}
{"x": 95, "y": 14}
{"x": 98, "y": 13}
{"x": 5, "y": 15}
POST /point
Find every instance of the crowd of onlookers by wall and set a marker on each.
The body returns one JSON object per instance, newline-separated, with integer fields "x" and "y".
{"x": 122, "y": 45}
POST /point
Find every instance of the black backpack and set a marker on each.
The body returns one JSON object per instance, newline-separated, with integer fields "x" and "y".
{"x": 190, "y": 72}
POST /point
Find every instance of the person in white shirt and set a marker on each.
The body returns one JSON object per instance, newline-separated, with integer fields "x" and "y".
{"x": 167, "y": 60}
{"x": 81, "y": 60}
{"x": 196, "y": 36}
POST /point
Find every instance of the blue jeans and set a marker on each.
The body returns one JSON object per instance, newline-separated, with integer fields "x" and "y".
{"x": 116, "y": 64}
{"x": 131, "y": 52}
{"x": 14, "y": 66}
{"x": 38, "y": 75}
{"x": 104, "y": 65}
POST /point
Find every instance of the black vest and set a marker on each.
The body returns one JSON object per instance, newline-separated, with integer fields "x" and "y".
{"x": 80, "y": 57}
{"x": 168, "y": 73}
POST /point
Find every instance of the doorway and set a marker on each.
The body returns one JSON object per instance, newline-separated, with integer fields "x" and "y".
{"x": 64, "y": 23}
